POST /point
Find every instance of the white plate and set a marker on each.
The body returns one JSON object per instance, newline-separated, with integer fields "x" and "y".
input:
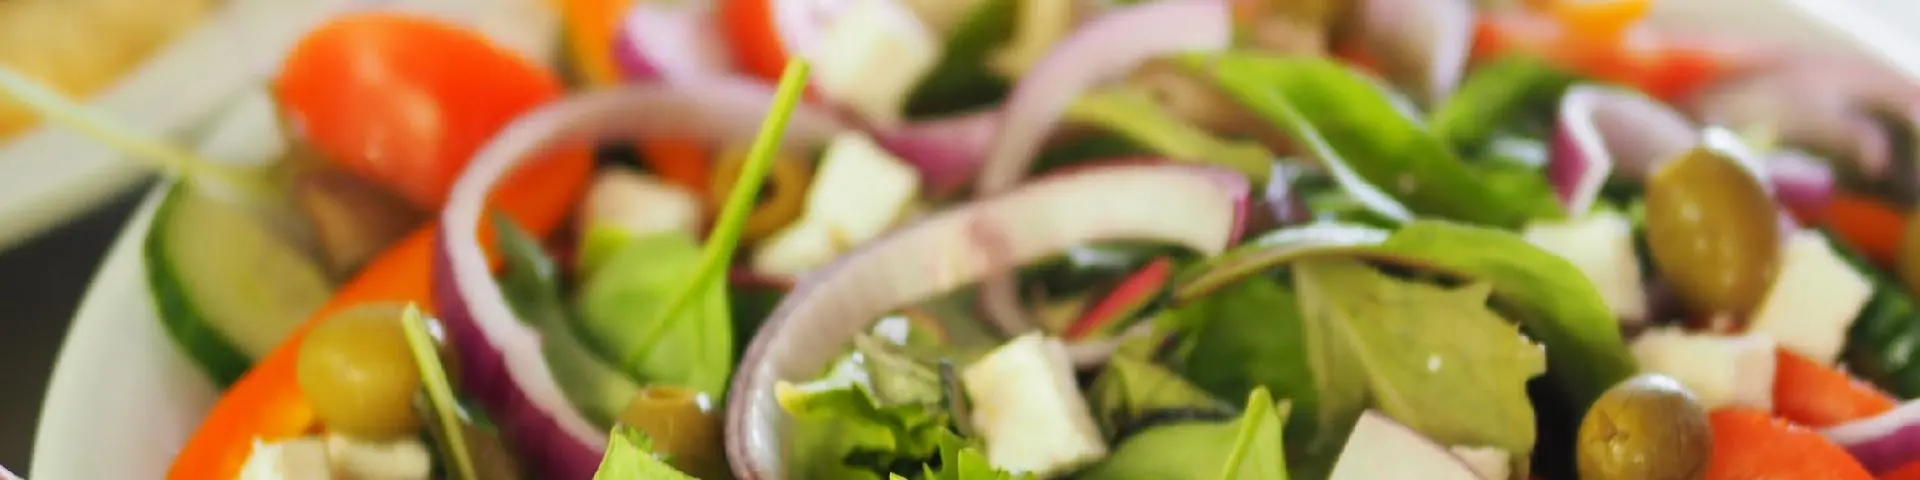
{"x": 48, "y": 174}
{"x": 123, "y": 399}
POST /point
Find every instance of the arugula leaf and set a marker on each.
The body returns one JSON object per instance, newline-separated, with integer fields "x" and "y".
{"x": 1505, "y": 91}
{"x": 530, "y": 285}
{"x": 1248, "y": 448}
{"x": 630, "y": 457}
{"x": 433, "y": 379}
{"x": 620, "y": 308}
{"x": 842, "y": 432}
{"x": 1349, "y": 122}
{"x": 1130, "y": 390}
{"x": 1556, "y": 304}
{"x": 1434, "y": 358}
{"x": 1246, "y": 337}
{"x": 1134, "y": 114}
{"x": 962, "y": 461}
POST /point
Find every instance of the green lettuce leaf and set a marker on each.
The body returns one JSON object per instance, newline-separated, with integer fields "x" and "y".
{"x": 1510, "y": 90}
{"x": 619, "y": 303}
{"x": 1349, "y": 122}
{"x": 1247, "y": 448}
{"x": 1134, "y": 114}
{"x": 1130, "y": 390}
{"x": 843, "y": 432}
{"x": 962, "y": 461}
{"x": 1244, "y": 337}
{"x": 1555, "y": 303}
{"x": 1433, "y": 358}
{"x": 630, "y": 457}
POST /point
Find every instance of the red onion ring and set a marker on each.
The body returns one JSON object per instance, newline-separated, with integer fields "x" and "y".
{"x": 500, "y": 356}
{"x": 1107, "y": 47}
{"x": 674, "y": 41}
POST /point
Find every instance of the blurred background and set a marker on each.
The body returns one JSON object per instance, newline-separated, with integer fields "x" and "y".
{"x": 170, "y": 67}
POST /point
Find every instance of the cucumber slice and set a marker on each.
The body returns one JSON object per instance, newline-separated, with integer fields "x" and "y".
{"x": 227, "y": 286}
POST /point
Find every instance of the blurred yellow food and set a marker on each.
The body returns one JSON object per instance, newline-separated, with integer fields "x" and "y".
{"x": 81, "y": 47}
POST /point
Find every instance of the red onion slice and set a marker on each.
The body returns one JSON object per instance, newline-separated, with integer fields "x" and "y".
{"x": 1199, "y": 207}
{"x": 1422, "y": 45}
{"x": 803, "y": 23}
{"x": 1882, "y": 442}
{"x": 1803, "y": 184}
{"x": 1109, "y": 46}
{"x": 674, "y": 41}
{"x": 500, "y": 356}
{"x": 1602, "y": 129}
{"x": 944, "y": 150}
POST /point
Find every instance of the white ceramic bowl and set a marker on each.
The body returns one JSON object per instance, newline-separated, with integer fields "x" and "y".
{"x": 49, "y": 174}
{"x": 123, "y": 398}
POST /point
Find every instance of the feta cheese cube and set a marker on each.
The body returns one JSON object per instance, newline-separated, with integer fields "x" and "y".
{"x": 357, "y": 459}
{"x": 295, "y": 459}
{"x": 1601, "y": 246}
{"x": 1813, "y": 300}
{"x": 874, "y": 54}
{"x": 1720, "y": 370}
{"x": 1028, "y": 407}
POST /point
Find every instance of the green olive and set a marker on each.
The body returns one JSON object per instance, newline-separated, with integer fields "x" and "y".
{"x": 1714, "y": 232}
{"x": 357, "y": 372}
{"x": 1645, "y": 428}
{"x": 683, "y": 427}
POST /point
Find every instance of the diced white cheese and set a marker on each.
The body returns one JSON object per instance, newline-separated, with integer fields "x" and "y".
{"x": 795, "y": 249}
{"x": 1720, "y": 370}
{"x": 1490, "y": 462}
{"x": 639, "y": 204}
{"x": 874, "y": 54}
{"x": 296, "y": 459}
{"x": 858, "y": 192}
{"x": 1030, "y": 411}
{"x": 1601, "y": 246}
{"x": 1813, "y": 300}
{"x": 1380, "y": 449}
{"x": 355, "y": 459}
{"x": 860, "y": 189}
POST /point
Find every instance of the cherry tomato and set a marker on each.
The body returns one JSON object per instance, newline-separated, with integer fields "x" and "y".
{"x": 753, "y": 37}
{"x": 405, "y": 100}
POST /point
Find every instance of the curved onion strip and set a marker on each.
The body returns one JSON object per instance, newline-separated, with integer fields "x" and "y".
{"x": 1422, "y": 44}
{"x": 944, "y": 150}
{"x": 802, "y": 24}
{"x": 674, "y": 41}
{"x": 1198, "y": 207}
{"x": 1107, "y": 47}
{"x": 1603, "y": 129}
{"x": 500, "y": 356}
{"x": 1882, "y": 442}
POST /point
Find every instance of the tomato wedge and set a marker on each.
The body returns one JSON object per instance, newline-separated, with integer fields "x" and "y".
{"x": 753, "y": 37}
{"x": 405, "y": 100}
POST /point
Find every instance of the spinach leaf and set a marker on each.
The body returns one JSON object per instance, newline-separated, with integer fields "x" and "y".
{"x": 630, "y": 457}
{"x": 1248, "y": 448}
{"x": 1883, "y": 345}
{"x": 1508, "y": 91}
{"x": 1434, "y": 358}
{"x": 530, "y": 284}
{"x": 619, "y": 310}
{"x": 1555, "y": 303}
{"x": 1132, "y": 113}
{"x": 1243, "y": 338}
{"x": 1349, "y": 122}
{"x": 1129, "y": 391}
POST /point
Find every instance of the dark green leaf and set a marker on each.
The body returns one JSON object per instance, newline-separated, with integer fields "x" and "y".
{"x": 962, "y": 80}
{"x": 619, "y": 305}
{"x": 1509, "y": 90}
{"x": 961, "y": 461}
{"x": 1130, "y": 390}
{"x": 1349, "y": 122}
{"x": 840, "y": 432}
{"x": 1883, "y": 345}
{"x": 1550, "y": 298}
{"x": 590, "y": 383}
{"x": 1247, "y": 336}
